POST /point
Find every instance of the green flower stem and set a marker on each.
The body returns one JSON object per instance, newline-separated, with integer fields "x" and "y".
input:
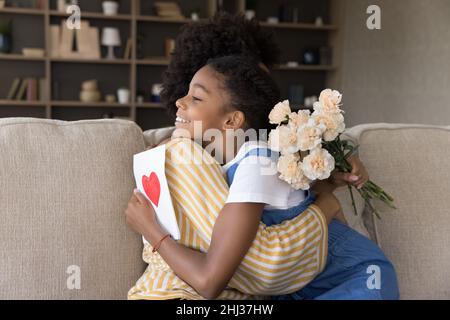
{"x": 353, "y": 199}
{"x": 340, "y": 150}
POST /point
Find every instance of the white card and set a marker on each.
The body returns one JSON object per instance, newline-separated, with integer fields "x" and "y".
{"x": 149, "y": 173}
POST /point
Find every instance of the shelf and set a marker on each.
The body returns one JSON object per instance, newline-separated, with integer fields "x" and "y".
{"x": 154, "y": 61}
{"x": 304, "y": 67}
{"x": 150, "y": 105}
{"x": 19, "y": 57}
{"x": 23, "y": 103}
{"x": 23, "y": 11}
{"x": 93, "y": 15}
{"x": 101, "y": 61}
{"x": 304, "y": 26}
{"x": 66, "y": 103}
{"x": 164, "y": 20}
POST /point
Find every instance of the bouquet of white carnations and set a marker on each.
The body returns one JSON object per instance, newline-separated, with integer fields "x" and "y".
{"x": 310, "y": 146}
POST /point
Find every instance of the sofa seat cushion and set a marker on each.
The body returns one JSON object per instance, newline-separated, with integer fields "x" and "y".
{"x": 64, "y": 188}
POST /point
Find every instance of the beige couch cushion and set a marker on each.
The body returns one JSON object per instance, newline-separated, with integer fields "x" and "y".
{"x": 64, "y": 188}
{"x": 412, "y": 163}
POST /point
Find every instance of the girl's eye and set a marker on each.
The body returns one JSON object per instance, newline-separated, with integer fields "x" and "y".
{"x": 196, "y": 99}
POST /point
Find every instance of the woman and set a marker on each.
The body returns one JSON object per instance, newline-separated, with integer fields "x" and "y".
{"x": 343, "y": 278}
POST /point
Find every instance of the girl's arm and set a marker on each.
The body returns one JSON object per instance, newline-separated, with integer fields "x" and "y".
{"x": 208, "y": 273}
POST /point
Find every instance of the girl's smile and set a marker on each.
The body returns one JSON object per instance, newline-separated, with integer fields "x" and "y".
{"x": 180, "y": 120}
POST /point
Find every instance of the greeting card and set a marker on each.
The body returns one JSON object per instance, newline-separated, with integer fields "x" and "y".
{"x": 149, "y": 173}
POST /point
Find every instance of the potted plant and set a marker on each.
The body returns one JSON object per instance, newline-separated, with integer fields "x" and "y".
{"x": 5, "y": 36}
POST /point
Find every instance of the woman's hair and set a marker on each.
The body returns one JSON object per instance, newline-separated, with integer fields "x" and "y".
{"x": 222, "y": 35}
{"x": 251, "y": 89}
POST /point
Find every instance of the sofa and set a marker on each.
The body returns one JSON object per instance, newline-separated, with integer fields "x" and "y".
{"x": 64, "y": 187}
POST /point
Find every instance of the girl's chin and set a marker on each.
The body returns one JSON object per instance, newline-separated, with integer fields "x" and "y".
{"x": 182, "y": 131}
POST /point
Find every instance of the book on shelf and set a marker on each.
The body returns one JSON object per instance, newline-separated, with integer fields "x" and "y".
{"x": 14, "y": 88}
{"x": 127, "y": 54}
{"x": 36, "y": 4}
{"x": 22, "y": 90}
{"x": 32, "y": 89}
{"x": 168, "y": 10}
{"x": 29, "y": 89}
{"x": 54, "y": 41}
{"x": 42, "y": 89}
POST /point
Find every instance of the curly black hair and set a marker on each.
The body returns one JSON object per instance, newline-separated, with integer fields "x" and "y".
{"x": 224, "y": 34}
{"x": 251, "y": 89}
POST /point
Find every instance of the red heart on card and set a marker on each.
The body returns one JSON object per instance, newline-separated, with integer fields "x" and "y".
{"x": 152, "y": 187}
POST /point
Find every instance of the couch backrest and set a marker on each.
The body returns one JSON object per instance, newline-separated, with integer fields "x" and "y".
{"x": 64, "y": 187}
{"x": 412, "y": 163}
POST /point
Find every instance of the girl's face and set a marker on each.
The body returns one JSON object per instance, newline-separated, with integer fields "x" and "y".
{"x": 207, "y": 102}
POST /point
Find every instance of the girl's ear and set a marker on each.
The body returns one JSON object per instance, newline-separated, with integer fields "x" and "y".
{"x": 234, "y": 120}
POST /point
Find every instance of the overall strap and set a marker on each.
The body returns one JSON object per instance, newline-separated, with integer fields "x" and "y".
{"x": 264, "y": 152}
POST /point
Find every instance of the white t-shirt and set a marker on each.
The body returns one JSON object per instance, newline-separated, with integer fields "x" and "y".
{"x": 256, "y": 180}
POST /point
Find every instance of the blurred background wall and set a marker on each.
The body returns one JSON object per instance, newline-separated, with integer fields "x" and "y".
{"x": 400, "y": 73}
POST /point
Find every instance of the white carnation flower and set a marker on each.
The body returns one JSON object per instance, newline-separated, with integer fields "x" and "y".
{"x": 309, "y": 135}
{"x": 318, "y": 164}
{"x": 280, "y": 112}
{"x": 333, "y": 123}
{"x": 296, "y": 119}
{"x": 329, "y": 102}
{"x": 284, "y": 139}
{"x": 290, "y": 169}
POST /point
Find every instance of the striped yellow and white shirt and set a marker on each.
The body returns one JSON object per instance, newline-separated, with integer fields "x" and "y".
{"x": 282, "y": 259}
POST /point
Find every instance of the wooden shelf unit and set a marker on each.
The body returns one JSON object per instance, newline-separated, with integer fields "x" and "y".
{"x": 132, "y": 18}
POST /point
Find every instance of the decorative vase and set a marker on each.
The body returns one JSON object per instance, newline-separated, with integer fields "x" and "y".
{"x": 90, "y": 96}
{"x": 123, "y": 95}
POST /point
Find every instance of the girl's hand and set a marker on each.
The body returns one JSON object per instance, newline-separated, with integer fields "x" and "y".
{"x": 357, "y": 177}
{"x": 141, "y": 217}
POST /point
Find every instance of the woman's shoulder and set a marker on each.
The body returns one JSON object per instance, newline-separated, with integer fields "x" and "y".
{"x": 187, "y": 151}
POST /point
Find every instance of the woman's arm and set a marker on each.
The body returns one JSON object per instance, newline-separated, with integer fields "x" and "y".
{"x": 208, "y": 273}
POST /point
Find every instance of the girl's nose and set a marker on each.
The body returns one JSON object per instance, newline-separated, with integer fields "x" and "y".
{"x": 179, "y": 104}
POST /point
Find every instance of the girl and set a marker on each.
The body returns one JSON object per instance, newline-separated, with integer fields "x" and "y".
{"x": 232, "y": 93}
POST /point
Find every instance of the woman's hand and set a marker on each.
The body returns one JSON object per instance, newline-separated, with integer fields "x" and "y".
{"x": 357, "y": 177}
{"x": 141, "y": 217}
